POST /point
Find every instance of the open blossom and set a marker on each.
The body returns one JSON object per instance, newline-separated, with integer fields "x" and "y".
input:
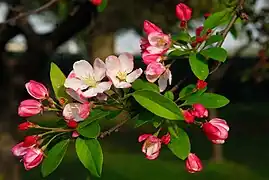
{"x": 150, "y": 58}
{"x": 29, "y": 108}
{"x": 216, "y": 130}
{"x": 87, "y": 78}
{"x": 120, "y": 70}
{"x": 76, "y": 111}
{"x": 199, "y": 111}
{"x": 20, "y": 149}
{"x": 183, "y": 12}
{"x": 37, "y": 90}
{"x": 159, "y": 43}
{"x": 151, "y": 147}
{"x": 193, "y": 163}
{"x": 154, "y": 71}
{"x": 32, "y": 158}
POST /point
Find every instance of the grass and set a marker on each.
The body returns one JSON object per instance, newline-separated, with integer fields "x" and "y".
{"x": 246, "y": 153}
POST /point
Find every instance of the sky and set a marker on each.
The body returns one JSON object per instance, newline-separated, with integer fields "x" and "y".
{"x": 125, "y": 41}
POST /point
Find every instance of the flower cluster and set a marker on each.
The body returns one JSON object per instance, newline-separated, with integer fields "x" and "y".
{"x": 105, "y": 89}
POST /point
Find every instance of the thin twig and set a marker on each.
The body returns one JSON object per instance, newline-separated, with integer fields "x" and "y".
{"x": 34, "y": 11}
{"x": 108, "y": 132}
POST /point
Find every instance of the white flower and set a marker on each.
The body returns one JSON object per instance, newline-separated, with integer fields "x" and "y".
{"x": 88, "y": 78}
{"x": 120, "y": 70}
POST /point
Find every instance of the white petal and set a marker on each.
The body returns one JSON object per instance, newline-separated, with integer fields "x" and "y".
{"x": 75, "y": 84}
{"x": 123, "y": 85}
{"x": 99, "y": 69}
{"x": 77, "y": 95}
{"x": 151, "y": 78}
{"x": 91, "y": 92}
{"x": 154, "y": 50}
{"x": 162, "y": 82}
{"x": 103, "y": 86}
{"x": 126, "y": 62}
{"x": 83, "y": 69}
{"x": 134, "y": 75}
{"x": 112, "y": 65}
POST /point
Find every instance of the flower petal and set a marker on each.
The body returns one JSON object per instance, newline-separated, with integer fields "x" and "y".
{"x": 77, "y": 95}
{"x": 126, "y": 62}
{"x": 75, "y": 84}
{"x": 123, "y": 85}
{"x": 134, "y": 75}
{"x": 99, "y": 69}
{"x": 162, "y": 82}
{"x": 103, "y": 86}
{"x": 83, "y": 69}
{"x": 143, "y": 137}
{"x": 112, "y": 65}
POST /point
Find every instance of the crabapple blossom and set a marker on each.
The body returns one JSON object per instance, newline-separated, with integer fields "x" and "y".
{"x": 37, "y": 90}
{"x": 29, "y": 108}
{"x": 193, "y": 163}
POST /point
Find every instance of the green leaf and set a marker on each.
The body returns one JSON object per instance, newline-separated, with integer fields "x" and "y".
{"x": 102, "y": 6}
{"x": 169, "y": 95}
{"x": 182, "y": 36}
{"x": 233, "y": 31}
{"x": 213, "y": 39}
{"x": 90, "y": 155}
{"x": 158, "y": 104}
{"x": 139, "y": 84}
{"x": 199, "y": 66}
{"x": 54, "y": 157}
{"x": 216, "y": 53}
{"x": 217, "y": 19}
{"x": 95, "y": 115}
{"x": 57, "y": 80}
{"x": 90, "y": 131}
{"x": 146, "y": 117}
{"x": 180, "y": 143}
{"x": 178, "y": 52}
{"x": 186, "y": 91}
{"x": 209, "y": 100}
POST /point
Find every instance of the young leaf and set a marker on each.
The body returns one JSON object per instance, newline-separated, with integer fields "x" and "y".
{"x": 217, "y": 18}
{"x": 139, "y": 84}
{"x": 213, "y": 39}
{"x": 54, "y": 157}
{"x": 182, "y": 36}
{"x": 177, "y": 53}
{"x": 95, "y": 115}
{"x": 90, "y": 131}
{"x": 180, "y": 143}
{"x": 158, "y": 104}
{"x": 169, "y": 95}
{"x": 186, "y": 91}
{"x": 209, "y": 100}
{"x": 216, "y": 53}
{"x": 102, "y": 6}
{"x": 199, "y": 66}
{"x": 90, "y": 155}
{"x": 57, "y": 80}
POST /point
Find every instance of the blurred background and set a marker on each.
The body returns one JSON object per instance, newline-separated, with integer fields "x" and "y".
{"x": 34, "y": 33}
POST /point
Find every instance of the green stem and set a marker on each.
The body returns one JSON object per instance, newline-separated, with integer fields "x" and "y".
{"x": 46, "y": 145}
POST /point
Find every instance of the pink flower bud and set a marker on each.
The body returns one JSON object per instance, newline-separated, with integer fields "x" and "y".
{"x": 166, "y": 139}
{"x": 37, "y": 90}
{"x": 29, "y": 108}
{"x": 32, "y": 158}
{"x": 24, "y": 126}
{"x": 30, "y": 140}
{"x": 75, "y": 134}
{"x": 188, "y": 117}
{"x": 183, "y": 12}
{"x": 96, "y": 2}
{"x": 72, "y": 124}
{"x": 216, "y": 130}
{"x": 201, "y": 84}
{"x": 154, "y": 71}
{"x": 19, "y": 150}
{"x": 76, "y": 111}
{"x": 151, "y": 147}
{"x": 149, "y": 27}
{"x": 193, "y": 163}
{"x": 199, "y": 111}
{"x": 199, "y": 30}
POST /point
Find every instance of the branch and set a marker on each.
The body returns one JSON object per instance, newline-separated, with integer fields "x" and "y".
{"x": 115, "y": 128}
{"x": 35, "y": 11}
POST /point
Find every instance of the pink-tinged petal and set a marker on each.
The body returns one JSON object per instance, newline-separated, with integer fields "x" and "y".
{"x": 134, "y": 75}
{"x": 150, "y": 58}
{"x": 155, "y": 68}
{"x": 152, "y": 148}
{"x": 75, "y": 84}
{"x": 19, "y": 150}
{"x": 101, "y": 97}
{"x": 162, "y": 82}
{"x": 70, "y": 111}
{"x": 99, "y": 69}
{"x": 84, "y": 110}
{"x": 143, "y": 137}
{"x": 126, "y": 62}
{"x": 123, "y": 85}
{"x": 77, "y": 95}
{"x": 153, "y": 156}
{"x": 103, "y": 86}
{"x": 113, "y": 78}
{"x": 75, "y": 134}
{"x": 183, "y": 12}
{"x": 152, "y": 78}
{"x": 29, "y": 107}
{"x": 149, "y": 27}
{"x": 155, "y": 50}
{"x": 71, "y": 74}
{"x": 112, "y": 65}
{"x": 83, "y": 69}
{"x": 32, "y": 158}
{"x": 166, "y": 139}
{"x": 37, "y": 90}
{"x": 193, "y": 163}
{"x": 218, "y": 141}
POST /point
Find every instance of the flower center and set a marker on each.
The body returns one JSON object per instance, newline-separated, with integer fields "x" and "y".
{"x": 121, "y": 76}
{"x": 90, "y": 82}
{"x": 161, "y": 42}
